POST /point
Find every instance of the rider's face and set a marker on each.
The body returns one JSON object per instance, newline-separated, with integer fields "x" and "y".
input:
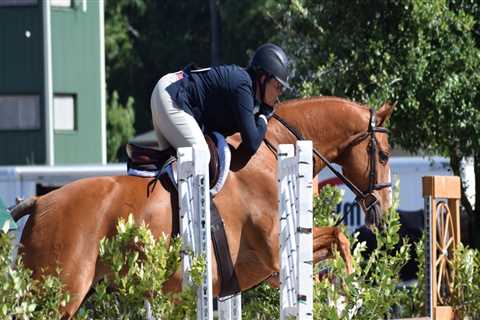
{"x": 273, "y": 89}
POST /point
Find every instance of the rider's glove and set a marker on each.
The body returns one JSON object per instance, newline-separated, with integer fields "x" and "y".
{"x": 263, "y": 117}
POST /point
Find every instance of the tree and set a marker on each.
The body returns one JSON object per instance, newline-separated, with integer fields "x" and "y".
{"x": 120, "y": 129}
{"x": 146, "y": 39}
{"x": 425, "y": 55}
{"x": 120, "y": 60}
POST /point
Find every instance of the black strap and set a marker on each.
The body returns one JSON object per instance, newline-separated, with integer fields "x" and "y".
{"x": 299, "y": 136}
{"x": 229, "y": 282}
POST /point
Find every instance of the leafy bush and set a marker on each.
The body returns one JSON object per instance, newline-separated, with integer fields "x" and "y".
{"x": 22, "y": 297}
{"x": 261, "y": 303}
{"x": 466, "y": 298}
{"x": 140, "y": 265}
{"x": 344, "y": 296}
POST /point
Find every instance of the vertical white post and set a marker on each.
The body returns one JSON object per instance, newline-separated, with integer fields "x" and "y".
{"x": 287, "y": 292}
{"x": 48, "y": 85}
{"x": 103, "y": 84}
{"x": 194, "y": 205}
{"x": 304, "y": 237}
{"x": 296, "y": 222}
{"x": 231, "y": 309}
{"x": 185, "y": 201}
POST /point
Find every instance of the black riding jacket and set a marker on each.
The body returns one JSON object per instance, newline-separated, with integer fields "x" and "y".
{"x": 221, "y": 99}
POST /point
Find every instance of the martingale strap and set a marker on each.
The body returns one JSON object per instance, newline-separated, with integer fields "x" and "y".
{"x": 229, "y": 284}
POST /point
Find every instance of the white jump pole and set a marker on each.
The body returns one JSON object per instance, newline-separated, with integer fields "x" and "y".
{"x": 194, "y": 205}
{"x": 296, "y": 221}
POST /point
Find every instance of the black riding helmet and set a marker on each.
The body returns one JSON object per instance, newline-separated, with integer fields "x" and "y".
{"x": 272, "y": 60}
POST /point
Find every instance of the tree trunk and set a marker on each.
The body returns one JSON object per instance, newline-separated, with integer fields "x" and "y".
{"x": 215, "y": 33}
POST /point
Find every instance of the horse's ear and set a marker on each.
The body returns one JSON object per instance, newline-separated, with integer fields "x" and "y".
{"x": 384, "y": 113}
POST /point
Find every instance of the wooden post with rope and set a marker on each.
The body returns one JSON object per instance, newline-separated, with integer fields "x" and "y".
{"x": 442, "y": 223}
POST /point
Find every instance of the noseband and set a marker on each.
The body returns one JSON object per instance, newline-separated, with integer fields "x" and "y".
{"x": 366, "y": 199}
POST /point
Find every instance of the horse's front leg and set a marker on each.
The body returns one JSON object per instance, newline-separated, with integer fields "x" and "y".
{"x": 324, "y": 239}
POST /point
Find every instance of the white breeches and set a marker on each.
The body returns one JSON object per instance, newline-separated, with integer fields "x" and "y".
{"x": 173, "y": 126}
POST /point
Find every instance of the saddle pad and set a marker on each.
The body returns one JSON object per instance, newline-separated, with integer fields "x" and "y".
{"x": 224, "y": 158}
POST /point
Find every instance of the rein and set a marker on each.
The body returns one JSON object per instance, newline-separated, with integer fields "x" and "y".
{"x": 366, "y": 199}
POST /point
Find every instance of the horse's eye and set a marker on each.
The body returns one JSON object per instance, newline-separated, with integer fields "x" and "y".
{"x": 383, "y": 157}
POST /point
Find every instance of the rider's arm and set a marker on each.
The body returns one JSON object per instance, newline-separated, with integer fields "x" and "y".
{"x": 252, "y": 128}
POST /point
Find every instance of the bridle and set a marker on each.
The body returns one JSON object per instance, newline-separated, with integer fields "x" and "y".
{"x": 366, "y": 199}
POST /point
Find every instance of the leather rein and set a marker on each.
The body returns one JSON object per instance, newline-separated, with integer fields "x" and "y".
{"x": 365, "y": 199}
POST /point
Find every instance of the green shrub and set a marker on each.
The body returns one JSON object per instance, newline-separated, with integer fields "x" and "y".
{"x": 140, "y": 265}
{"x": 22, "y": 297}
{"x": 344, "y": 296}
{"x": 261, "y": 303}
{"x": 466, "y": 298}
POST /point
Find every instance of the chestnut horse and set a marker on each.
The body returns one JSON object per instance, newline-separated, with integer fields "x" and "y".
{"x": 66, "y": 225}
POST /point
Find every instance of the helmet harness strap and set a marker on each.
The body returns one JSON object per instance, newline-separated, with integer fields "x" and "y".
{"x": 263, "y": 85}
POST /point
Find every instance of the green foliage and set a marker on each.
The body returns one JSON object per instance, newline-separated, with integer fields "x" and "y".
{"x": 21, "y": 296}
{"x": 120, "y": 121}
{"x": 467, "y": 282}
{"x": 261, "y": 303}
{"x": 425, "y": 55}
{"x": 325, "y": 206}
{"x": 344, "y": 296}
{"x": 417, "y": 307}
{"x": 146, "y": 39}
{"x": 140, "y": 265}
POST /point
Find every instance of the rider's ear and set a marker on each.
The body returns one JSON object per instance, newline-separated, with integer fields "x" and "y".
{"x": 384, "y": 113}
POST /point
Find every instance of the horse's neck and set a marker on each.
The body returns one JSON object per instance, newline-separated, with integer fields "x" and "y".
{"x": 330, "y": 124}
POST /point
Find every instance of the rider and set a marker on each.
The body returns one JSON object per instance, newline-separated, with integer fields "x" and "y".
{"x": 226, "y": 99}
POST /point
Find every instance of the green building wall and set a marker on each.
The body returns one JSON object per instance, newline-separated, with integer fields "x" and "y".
{"x": 21, "y": 72}
{"x": 76, "y": 70}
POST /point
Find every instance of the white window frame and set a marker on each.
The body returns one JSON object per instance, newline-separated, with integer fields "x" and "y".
{"x": 64, "y": 112}
{"x": 62, "y": 3}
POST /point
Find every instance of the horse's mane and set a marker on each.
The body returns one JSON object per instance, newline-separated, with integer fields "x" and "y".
{"x": 322, "y": 99}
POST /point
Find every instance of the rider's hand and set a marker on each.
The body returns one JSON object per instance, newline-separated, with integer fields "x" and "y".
{"x": 263, "y": 117}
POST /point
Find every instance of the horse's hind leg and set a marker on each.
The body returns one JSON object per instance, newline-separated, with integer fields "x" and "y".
{"x": 74, "y": 257}
{"x": 78, "y": 278}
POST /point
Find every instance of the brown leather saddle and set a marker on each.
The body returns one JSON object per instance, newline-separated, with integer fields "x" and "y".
{"x": 146, "y": 158}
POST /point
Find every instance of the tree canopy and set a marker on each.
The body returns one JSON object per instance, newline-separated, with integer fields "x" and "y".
{"x": 424, "y": 55}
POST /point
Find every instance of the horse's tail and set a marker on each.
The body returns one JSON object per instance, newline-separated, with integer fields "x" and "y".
{"x": 23, "y": 208}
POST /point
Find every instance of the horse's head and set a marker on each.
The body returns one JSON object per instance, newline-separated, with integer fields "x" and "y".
{"x": 364, "y": 161}
{"x": 348, "y": 134}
